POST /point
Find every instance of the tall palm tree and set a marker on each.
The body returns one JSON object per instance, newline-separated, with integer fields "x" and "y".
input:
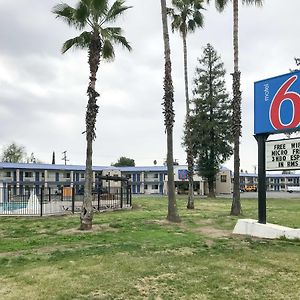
{"x": 92, "y": 15}
{"x": 236, "y": 102}
{"x": 186, "y": 17}
{"x": 169, "y": 116}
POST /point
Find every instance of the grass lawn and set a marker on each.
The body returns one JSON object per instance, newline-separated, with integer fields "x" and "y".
{"x": 137, "y": 254}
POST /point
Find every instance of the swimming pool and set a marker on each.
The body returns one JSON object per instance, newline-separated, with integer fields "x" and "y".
{"x": 8, "y": 207}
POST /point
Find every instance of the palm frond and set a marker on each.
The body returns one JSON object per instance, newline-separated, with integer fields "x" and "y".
{"x": 82, "y": 42}
{"x": 108, "y": 52}
{"x": 99, "y": 9}
{"x": 115, "y": 34}
{"x": 116, "y": 9}
{"x": 198, "y": 18}
{"x": 176, "y": 22}
{"x": 82, "y": 12}
{"x": 65, "y": 12}
{"x": 220, "y": 4}
{"x": 100, "y": 5}
{"x": 178, "y": 4}
{"x": 186, "y": 15}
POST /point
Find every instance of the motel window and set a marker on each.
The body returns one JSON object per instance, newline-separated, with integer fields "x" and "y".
{"x": 82, "y": 175}
{"x": 43, "y": 175}
{"x": 155, "y": 187}
{"x": 28, "y": 174}
{"x": 290, "y": 180}
{"x": 155, "y": 175}
{"x": 146, "y": 175}
{"x": 223, "y": 178}
{"x": 146, "y": 187}
{"x": 282, "y": 179}
{"x": 8, "y": 174}
{"x": 67, "y": 175}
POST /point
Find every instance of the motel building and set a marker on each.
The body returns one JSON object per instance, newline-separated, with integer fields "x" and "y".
{"x": 142, "y": 180}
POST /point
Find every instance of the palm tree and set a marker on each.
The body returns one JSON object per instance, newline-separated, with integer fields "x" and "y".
{"x": 98, "y": 40}
{"x": 186, "y": 17}
{"x": 236, "y": 102}
{"x": 169, "y": 116}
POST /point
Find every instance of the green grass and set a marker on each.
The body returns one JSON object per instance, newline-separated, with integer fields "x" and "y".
{"x": 137, "y": 254}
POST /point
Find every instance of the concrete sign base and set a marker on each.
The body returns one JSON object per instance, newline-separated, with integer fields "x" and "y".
{"x": 269, "y": 231}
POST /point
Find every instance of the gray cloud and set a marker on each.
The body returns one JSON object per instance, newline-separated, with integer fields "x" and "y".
{"x": 43, "y": 93}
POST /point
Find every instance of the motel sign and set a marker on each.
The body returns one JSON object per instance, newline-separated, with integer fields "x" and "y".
{"x": 277, "y": 104}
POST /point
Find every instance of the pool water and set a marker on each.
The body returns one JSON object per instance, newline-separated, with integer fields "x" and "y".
{"x": 11, "y": 206}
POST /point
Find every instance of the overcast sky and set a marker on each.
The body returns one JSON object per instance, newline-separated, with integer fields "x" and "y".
{"x": 43, "y": 93}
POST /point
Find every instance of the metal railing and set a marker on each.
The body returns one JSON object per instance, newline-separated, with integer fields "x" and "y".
{"x": 41, "y": 200}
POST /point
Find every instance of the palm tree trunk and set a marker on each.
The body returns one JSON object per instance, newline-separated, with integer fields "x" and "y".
{"x": 236, "y": 202}
{"x": 86, "y": 216}
{"x": 190, "y": 159}
{"x": 169, "y": 117}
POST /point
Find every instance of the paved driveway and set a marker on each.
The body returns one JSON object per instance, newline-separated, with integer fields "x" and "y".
{"x": 276, "y": 195}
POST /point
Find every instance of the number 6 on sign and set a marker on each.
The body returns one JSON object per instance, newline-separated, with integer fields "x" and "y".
{"x": 275, "y": 109}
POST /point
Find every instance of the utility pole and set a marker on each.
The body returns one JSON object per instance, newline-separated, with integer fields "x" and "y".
{"x": 65, "y": 157}
{"x": 53, "y": 158}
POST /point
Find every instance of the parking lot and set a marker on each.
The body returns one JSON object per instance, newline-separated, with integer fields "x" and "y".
{"x": 276, "y": 195}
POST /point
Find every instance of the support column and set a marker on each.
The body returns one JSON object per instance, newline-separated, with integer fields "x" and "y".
{"x": 46, "y": 178}
{"x": 261, "y": 143}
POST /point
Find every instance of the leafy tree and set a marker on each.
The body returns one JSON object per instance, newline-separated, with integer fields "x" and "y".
{"x": 124, "y": 162}
{"x": 98, "y": 40}
{"x": 13, "y": 153}
{"x": 237, "y": 98}
{"x": 211, "y": 117}
{"x": 169, "y": 114}
{"x": 186, "y": 17}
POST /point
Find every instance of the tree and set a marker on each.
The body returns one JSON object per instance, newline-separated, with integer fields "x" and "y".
{"x": 186, "y": 17}
{"x": 14, "y": 153}
{"x": 169, "y": 115}
{"x": 211, "y": 117}
{"x": 124, "y": 162}
{"x": 237, "y": 98}
{"x": 98, "y": 40}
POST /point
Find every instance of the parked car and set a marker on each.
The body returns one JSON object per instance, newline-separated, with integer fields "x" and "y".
{"x": 291, "y": 189}
{"x": 251, "y": 188}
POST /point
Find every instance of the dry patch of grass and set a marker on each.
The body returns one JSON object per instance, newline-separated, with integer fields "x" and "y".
{"x": 213, "y": 232}
{"x": 95, "y": 228}
{"x": 155, "y": 285}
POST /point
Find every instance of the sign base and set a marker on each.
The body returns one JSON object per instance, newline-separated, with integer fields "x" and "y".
{"x": 269, "y": 231}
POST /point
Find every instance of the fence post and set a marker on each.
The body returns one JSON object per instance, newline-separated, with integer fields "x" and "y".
{"x": 130, "y": 195}
{"x": 42, "y": 194}
{"x": 49, "y": 191}
{"x": 121, "y": 201}
{"x": 98, "y": 195}
{"x": 127, "y": 196}
{"x": 73, "y": 199}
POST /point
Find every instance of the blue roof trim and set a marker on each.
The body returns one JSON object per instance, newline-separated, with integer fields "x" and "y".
{"x": 51, "y": 167}
{"x": 142, "y": 169}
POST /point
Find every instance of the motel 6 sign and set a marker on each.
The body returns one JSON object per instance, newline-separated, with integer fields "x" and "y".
{"x": 277, "y": 104}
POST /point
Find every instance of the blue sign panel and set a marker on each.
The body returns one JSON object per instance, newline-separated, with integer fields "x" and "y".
{"x": 182, "y": 174}
{"x": 277, "y": 104}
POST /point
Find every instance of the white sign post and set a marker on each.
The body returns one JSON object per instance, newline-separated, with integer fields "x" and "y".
{"x": 283, "y": 155}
